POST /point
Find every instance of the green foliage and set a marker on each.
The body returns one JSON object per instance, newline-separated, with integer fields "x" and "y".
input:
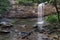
{"x": 29, "y": 1}
{"x": 3, "y": 5}
{"x": 37, "y": 1}
{"x": 51, "y": 19}
{"x": 13, "y": 22}
{"x": 25, "y": 2}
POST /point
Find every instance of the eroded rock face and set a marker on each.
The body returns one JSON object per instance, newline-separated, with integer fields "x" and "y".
{"x": 20, "y": 11}
{"x": 49, "y": 9}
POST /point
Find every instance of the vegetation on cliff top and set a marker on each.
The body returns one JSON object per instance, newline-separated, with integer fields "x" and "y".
{"x": 3, "y": 5}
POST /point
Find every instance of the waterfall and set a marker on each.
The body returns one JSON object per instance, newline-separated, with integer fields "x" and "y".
{"x": 41, "y": 36}
{"x": 40, "y": 15}
{"x": 40, "y": 20}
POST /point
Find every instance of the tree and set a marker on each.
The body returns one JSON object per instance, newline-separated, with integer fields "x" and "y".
{"x": 34, "y": 1}
{"x": 55, "y": 4}
{"x": 4, "y": 5}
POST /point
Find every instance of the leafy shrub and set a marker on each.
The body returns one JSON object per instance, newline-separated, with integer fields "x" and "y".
{"x": 52, "y": 18}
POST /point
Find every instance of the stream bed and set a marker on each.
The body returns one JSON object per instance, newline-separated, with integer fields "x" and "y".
{"x": 28, "y": 22}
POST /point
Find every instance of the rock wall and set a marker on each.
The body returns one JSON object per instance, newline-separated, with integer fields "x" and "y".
{"x": 21, "y": 11}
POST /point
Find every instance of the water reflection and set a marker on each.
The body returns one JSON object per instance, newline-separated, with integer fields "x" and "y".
{"x": 26, "y": 21}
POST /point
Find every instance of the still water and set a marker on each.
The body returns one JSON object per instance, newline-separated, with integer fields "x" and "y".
{"x": 26, "y": 21}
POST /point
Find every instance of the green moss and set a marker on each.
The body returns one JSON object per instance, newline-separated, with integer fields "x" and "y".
{"x": 14, "y": 21}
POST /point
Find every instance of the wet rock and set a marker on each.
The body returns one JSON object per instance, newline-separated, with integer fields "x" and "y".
{"x": 35, "y": 26}
{"x": 45, "y": 38}
{"x": 4, "y": 31}
{"x": 5, "y": 25}
{"x": 6, "y": 22}
{"x": 25, "y": 34}
{"x": 23, "y": 26}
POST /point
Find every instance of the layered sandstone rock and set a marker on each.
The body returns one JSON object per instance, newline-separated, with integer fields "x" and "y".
{"x": 21, "y": 11}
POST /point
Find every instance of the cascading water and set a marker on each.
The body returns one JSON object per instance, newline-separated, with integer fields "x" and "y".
{"x": 40, "y": 20}
{"x": 40, "y": 15}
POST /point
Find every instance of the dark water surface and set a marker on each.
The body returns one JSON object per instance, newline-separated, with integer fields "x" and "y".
{"x": 26, "y": 21}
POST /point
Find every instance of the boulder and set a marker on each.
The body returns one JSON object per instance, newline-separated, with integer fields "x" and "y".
{"x": 6, "y": 22}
